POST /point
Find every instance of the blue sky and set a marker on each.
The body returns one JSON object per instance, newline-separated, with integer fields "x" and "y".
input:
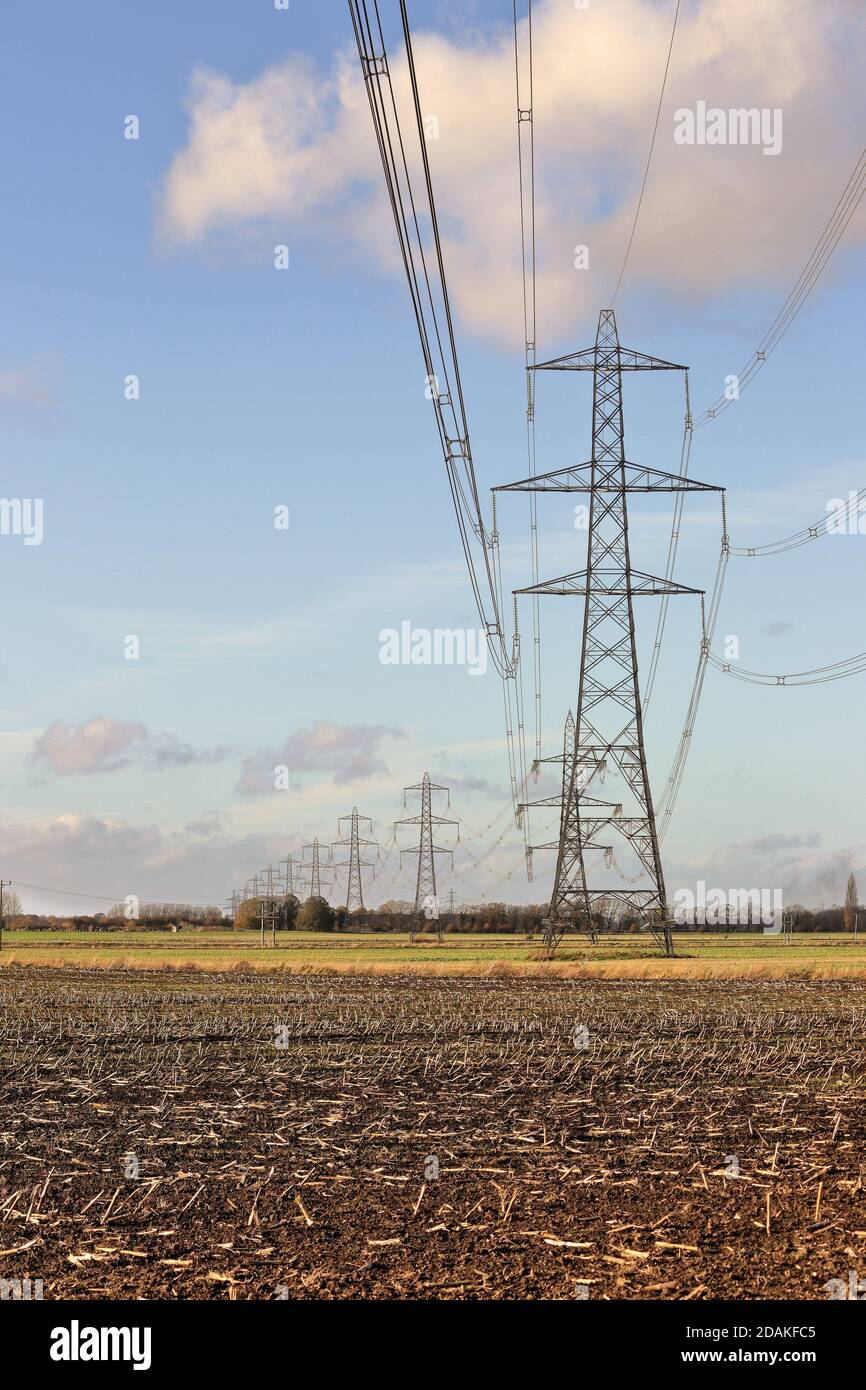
{"x": 304, "y": 388}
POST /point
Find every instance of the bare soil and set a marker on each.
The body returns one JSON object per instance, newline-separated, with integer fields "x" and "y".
{"x": 593, "y": 1138}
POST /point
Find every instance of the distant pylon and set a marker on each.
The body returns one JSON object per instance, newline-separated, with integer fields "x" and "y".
{"x": 290, "y": 874}
{"x": 426, "y": 904}
{"x": 315, "y": 869}
{"x": 355, "y": 890}
{"x": 565, "y": 759}
{"x": 268, "y": 908}
{"x": 315, "y": 883}
{"x": 608, "y": 732}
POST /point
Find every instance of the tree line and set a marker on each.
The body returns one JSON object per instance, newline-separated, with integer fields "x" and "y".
{"x": 317, "y": 915}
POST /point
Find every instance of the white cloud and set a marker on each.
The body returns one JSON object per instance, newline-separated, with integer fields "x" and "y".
{"x": 349, "y": 752}
{"x": 103, "y": 744}
{"x": 107, "y": 858}
{"x": 31, "y": 391}
{"x": 799, "y": 864}
{"x": 295, "y": 145}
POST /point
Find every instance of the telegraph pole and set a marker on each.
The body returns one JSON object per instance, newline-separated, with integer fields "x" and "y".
{"x": 272, "y": 906}
{"x": 426, "y": 902}
{"x": 4, "y": 883}
{"x": 609, "y": 732}
{"x": 354, "y": 892}
{"x": 268, "y": 907}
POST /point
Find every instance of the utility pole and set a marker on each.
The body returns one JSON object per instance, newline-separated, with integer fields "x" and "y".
{"x": 272, "y": 906}
{"x": 426, "y": 902}
{"x": 354, "y": 892}
{"x": 609, "y": 719}
{"x": 4, "y": 883}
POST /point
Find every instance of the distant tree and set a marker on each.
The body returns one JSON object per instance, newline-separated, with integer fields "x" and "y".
{"x": 316, "y": 914}
{"x": 11, "y": 907}
{"x": 851, "y": 903}
{"x": 287, "y": 918}
{"x": 248, "y": 914}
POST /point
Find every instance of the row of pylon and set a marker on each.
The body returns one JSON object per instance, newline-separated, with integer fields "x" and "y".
{"x": 278, "y": 882}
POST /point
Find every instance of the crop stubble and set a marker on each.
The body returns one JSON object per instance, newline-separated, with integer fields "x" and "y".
{"x": 594, "y": 1138}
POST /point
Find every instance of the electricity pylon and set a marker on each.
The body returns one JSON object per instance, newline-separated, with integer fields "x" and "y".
{"x": 426, "y": 902}
{"x": 608, "y": 726}
{"x": 354, "y": 891}
{"x": 289, "y": 874}
{"x": 268, "y": 908}
{"x": 315, "y": 869}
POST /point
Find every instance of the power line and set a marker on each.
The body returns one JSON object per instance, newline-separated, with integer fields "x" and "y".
{"x": 526, "y": 178}
{"x": 819, "y": 675}
{"x": 708, "y": 624}
{"x": 649, "y": 156}
{"x": 685, "y": 458}
{"x": 844, "y": 210}
{"x": 428, "y": 290}
{"x": 448, "y": 404}
{"x": 70, "y": 893}
{"x": 114, "y": 898}
{"x": 808, "y": 533}
{"x": 826, "y": 245}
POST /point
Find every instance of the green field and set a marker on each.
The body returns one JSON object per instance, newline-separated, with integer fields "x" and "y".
{"x": 821, "y": 955}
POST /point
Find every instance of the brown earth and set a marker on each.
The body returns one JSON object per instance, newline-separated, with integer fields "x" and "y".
{"x": 634, "y": 1139}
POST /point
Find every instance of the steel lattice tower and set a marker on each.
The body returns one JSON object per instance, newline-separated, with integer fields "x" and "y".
{"x": 354, "y": 892}
{"x": 608, "y": 726}
{"x": 426, "y": 902}
{"x": 268, "y": 908}
{"x": 315, "y": 869}
{"x": 290, "y": 874}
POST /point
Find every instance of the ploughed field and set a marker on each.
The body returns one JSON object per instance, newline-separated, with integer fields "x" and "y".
{"x": 217, "y": 1135}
